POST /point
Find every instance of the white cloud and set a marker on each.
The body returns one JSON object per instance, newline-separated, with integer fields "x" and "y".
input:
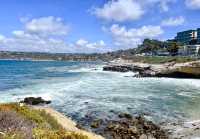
{"x": 129, "y": 10}
{"x": 120, "y": 10}
{"x": 47, "y": 34}
{"x": 85, "y": 43}
{"x": 193, "y": 4}
{"x": 2, "y": 37}
{"x": 37, "y": 44}
{"x": 33, "y": 43}
{"x": 40, "y": 35}
{"x": 47, "y": 26}
{"x": 173, "y": 21}
{"x": 128, "y": 38}
{"x": 163, "y": 4}
{"x": 81, "y": 42}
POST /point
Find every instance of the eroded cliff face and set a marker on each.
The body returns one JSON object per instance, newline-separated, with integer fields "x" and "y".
{"x": 172, "y": 69}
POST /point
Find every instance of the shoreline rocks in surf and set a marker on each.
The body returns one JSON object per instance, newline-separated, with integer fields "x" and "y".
{"x": 127, "y": 126}
{"x": 35, "y": 101}
{"x": 172, "y": 69}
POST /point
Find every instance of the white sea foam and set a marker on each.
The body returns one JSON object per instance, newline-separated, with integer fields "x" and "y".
{"x": 97, "y": 90}
{"x": 57, "y": 69}
{"x": 129, "y": 74}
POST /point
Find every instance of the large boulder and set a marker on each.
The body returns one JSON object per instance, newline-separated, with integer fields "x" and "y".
{"x": 117, "y": 68}
{"x": 35, "y": 101}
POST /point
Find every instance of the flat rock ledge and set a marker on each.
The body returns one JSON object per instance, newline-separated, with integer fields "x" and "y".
{"x": 171, "y": 70}
{"x": 35, "y": 101}
{"x": 128, "y": 127}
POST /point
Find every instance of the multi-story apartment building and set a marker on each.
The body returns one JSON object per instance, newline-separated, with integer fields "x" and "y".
{"x": 187, "y": 37}
{"x": 190, "y": 41}
{"x": 198, "y": 35}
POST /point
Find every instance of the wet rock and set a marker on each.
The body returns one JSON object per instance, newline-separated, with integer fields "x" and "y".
{"x": 133, "y": 130}
{"x": 35, "y": 101}
{"x": 117, "y": 68}
{"x": 96, "y": 123}
{"x": 125, "y": 115}
{"x": 79, "y": 126}
{"x": 143, "y": 136}
{"x": 112, "y": 111}
{"x": 129, "y": 127}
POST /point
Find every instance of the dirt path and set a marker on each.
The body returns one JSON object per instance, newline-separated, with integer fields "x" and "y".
{"x": 67, "y": 123}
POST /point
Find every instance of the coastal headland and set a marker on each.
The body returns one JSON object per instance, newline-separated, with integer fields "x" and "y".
{"x": 168, "y": 69}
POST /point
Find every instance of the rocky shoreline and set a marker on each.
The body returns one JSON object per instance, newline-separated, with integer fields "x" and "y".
{"x": 125, "y": 126}
{"x": 171, "y": 69}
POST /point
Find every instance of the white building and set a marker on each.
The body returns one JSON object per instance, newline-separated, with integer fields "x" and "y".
{"x": 190, "y": 50}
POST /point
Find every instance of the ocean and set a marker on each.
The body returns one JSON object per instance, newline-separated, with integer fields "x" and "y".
{"x": 78, "y": 89}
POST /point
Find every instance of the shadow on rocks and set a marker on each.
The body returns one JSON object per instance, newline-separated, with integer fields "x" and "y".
{"x": 128, "y": 127}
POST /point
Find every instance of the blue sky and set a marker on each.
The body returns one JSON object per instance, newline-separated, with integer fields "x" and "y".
{"x": 88, "y": 26}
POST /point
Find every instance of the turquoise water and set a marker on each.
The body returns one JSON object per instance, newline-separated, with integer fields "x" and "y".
{"x": 78, "y": 89}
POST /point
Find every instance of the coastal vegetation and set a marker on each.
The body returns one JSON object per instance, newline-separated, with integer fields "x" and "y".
{"x": 19, "y": 121}
{"x": 123, "y": 54}
{"x": 149, "y": 47}
{"x": 152, "y": 46}
{"x": 159, "y": 60}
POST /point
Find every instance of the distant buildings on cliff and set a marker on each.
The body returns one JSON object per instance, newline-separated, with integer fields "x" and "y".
{"x": 190, "y": 42}
{"x": 188, "y": 45}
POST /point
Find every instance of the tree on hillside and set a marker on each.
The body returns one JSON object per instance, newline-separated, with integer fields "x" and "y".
{"x": 149, "y": 45}
{"x": 173, "y": 48}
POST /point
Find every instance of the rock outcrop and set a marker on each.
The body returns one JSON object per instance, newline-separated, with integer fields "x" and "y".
{"x": 35, "y": 101}
{"x": 172, "y": 70}
{"x": 128, "y": 127}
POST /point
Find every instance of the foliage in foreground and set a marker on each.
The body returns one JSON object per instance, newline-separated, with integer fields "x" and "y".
{"x": 22, "y": 122}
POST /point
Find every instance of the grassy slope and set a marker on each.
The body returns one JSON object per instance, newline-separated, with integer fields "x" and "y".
{"x": 41, "y": 124}
{"x": 159, "y": 60}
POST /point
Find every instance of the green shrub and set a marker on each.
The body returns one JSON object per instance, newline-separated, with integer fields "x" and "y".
{"x": 56, "y": 134}
{"x": 50, "y": 120}
{"x": 45, "y": 126}
{"x": 12, "y": 135}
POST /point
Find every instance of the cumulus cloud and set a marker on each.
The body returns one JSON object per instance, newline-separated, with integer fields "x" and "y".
{"x": 85, "y": 43}
{"x": 193, "y": 4}
{"x": 128, "y": 10}
{"x": 27, "y": 43}
{"x": 46, "y": 34}
{"x": 98, "y": 46}
{"x": 173, "y": 21}
{"x": 163, "y": 4}
{"x": 39, "y": 35}
{"x": 82, "y": 42}
{"x": 128, "y": 38}
{"x": 120, "y": 10}
{"x": 47, "y": 26}
{"x": 1, "y": 37}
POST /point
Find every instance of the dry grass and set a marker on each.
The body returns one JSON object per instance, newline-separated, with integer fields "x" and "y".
{"x": 22, "y": 122}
